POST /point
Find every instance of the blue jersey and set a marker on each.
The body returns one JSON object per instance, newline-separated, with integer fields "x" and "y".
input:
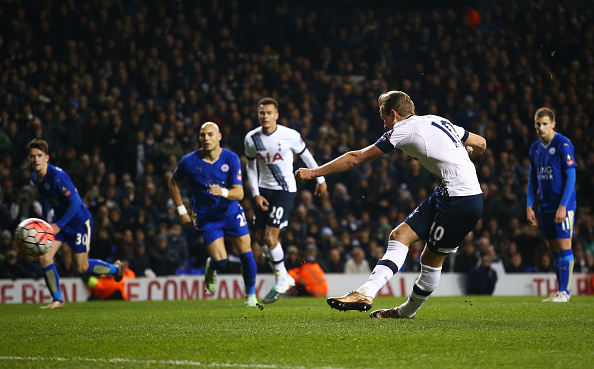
{"x": 58, "y": 192}
{"x": 200, "y": 175}
{"x": 548, "y": 167}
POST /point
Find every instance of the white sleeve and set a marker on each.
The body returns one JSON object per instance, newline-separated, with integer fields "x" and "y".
{"x": 309, "y": 160}
{"x": 252, "y": 175}
{"x": 400, "y": 135}
{"x": 459, "y": 131}
{"x": 248, "y": 148}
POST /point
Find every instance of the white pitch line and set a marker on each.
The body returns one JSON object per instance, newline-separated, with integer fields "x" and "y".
{"x": 150, "y": 361}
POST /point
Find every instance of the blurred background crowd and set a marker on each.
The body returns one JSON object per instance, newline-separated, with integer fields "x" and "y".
{"x": 120, "y": 88}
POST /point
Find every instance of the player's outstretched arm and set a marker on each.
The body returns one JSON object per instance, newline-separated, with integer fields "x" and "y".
{"x": 475, "y": 145}
{"x": 347, "y": 161}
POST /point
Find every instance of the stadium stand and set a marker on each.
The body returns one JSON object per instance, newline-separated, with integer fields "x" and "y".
{"x": 120, "y": 88}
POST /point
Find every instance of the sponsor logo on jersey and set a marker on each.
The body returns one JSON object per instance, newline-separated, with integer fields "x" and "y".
{"x": 544, "y": 173}
{"x": 270, "y": 159}
{"x": 225, "y": 168}
{"x": 569, "y": 159}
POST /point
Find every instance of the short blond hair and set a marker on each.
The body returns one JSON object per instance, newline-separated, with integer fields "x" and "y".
{"x": 398, "y": 101}
{"x": 544, "y": 112}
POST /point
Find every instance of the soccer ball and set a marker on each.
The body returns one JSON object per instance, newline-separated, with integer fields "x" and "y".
{"x": 34, "y": 236}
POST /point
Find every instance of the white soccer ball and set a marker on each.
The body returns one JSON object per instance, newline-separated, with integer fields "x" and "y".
{"x": 34, "y": 236}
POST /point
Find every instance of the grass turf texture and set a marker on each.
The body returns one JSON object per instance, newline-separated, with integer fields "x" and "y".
{"x": 448, "y": 332}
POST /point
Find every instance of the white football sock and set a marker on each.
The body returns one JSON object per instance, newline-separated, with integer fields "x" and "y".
{"x": 278, "y": 262}
{"x": 422, "y": 289}
{"x": 389, "y": 265}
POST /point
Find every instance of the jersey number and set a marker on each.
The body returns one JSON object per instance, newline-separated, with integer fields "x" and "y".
{"x": 242, "y": 221}
{"x": 448, "y": 129}
{"x": 277, "y": 214}
{"x": 436, "y": 233}
{"x": 82, "y": 239}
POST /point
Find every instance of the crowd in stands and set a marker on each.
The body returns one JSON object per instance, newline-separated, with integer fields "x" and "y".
{"x": 120, "y": 88}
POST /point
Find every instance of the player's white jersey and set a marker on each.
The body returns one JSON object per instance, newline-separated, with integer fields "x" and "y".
{"x": 438, "y": 145}
{"x": 274, "y": 155}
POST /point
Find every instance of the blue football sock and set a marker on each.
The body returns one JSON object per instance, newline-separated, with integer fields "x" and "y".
{"x": 565, "y": 270}
{"x": 249, "y": 268}
{"x": 52, "y": 279}
{"x": 218, "y": 265}
{"x": 99, "y": 267}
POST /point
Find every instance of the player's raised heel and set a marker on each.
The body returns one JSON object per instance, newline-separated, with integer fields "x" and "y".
{"x": 120, "y": 275}
{"x": 387, "y": 314}
{"x": 54, "y": 305}
{"x": 278, "y": 292}
{"x": 351, "y": 301}
{"x": 210, "y": 277}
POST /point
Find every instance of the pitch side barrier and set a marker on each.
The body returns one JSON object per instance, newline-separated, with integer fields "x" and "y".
{"x": 231, "y": 287}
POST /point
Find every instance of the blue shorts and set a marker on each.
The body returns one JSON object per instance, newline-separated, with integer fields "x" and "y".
{"x": 277, "y": 215}
{"x": 211, "y": 229}
{"x": 552, "y": 230}
{"x": 444, "y": 221}
{"x": 77, "y": 236}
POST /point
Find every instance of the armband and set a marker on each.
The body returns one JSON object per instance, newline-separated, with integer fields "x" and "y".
{"x": 225, "y": 192}
{"x": 181, "y": 210}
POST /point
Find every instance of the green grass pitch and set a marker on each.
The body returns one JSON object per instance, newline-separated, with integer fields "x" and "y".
{"x": 448, "y": 332}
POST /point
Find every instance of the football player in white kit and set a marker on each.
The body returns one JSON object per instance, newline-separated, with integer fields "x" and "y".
{"x": 269, "y": 150}
{"x": 442, "y": 220}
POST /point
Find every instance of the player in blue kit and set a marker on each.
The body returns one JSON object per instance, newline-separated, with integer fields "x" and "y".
{"x": 213, "y": 176}
{"x": 552, "y": 174}
{"x": 72, "y": 222}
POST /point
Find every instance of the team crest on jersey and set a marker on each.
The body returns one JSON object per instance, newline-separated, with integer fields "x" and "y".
{"x": 569, "y": 159}
{"x": 552, "y": 151}
{"x": 225, "y": 168}
{"x": 46, "y": 185}
{"x": 65, "y": 191}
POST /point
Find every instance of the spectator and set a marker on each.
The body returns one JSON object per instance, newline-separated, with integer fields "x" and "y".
{"x": 481, "y": 279}
{"x": 516, "y": 265}
{"x": 140, "y": 262}
{"x": 164, "y": 260}
{"x": 335, "y": 263}
{"x": 293, "y": 259}
{"x": 357, "y": 264}
{"x": 466, "y": 258}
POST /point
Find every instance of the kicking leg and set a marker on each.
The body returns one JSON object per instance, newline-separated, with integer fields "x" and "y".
{"x": 362, "y": 298}
{"x": 426, "y": 283}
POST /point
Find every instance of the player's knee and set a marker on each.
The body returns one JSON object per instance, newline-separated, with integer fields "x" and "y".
{"x": 46, "y": 259}
{"x": 397, "y": 235}
{"x": 270, "y": 239}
